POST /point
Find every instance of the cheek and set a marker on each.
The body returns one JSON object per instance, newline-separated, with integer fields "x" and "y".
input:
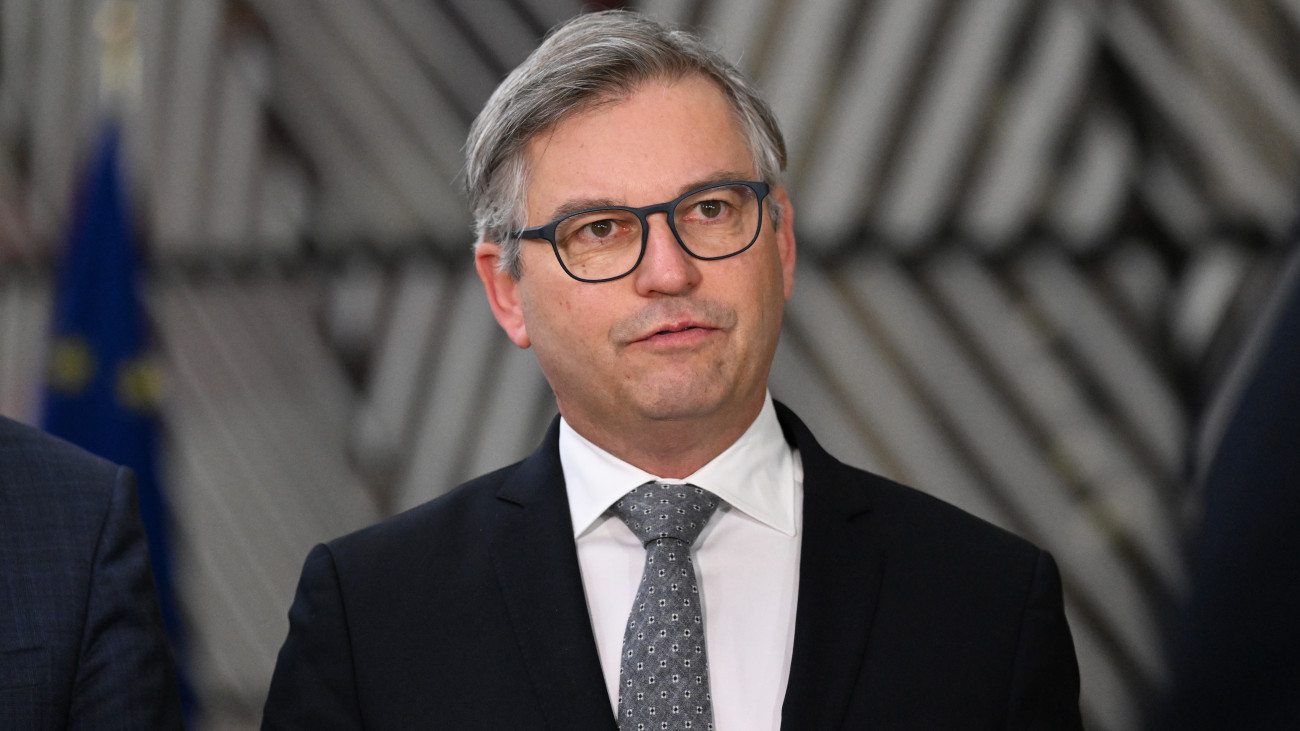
{"x": 762, "y": 303}
{"x": 569, "y": 326}
{"x": 774, "y": 279}
{"x": 760, "y": 282}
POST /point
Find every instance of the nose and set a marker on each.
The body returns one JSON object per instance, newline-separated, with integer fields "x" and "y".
{"x": 665, "y": 267}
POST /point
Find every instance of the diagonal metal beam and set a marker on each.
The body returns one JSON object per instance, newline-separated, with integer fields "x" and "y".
{"x": 948, "y": 119}
{"x": 1021, "y": 157}
{"x": 844, "y": 168}
{"x": 1232, "y": 44}
{"x": 1249, "y": 185}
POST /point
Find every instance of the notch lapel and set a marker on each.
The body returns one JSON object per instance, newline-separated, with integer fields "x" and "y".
{"x": 840, "y": 570}
{"x": 536, "y": 562}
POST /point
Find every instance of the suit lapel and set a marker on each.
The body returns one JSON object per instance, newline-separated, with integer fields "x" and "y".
{"x": 536, "y": 563}
{"x": 837, "y": 594}
{"x": 537, "y": 567}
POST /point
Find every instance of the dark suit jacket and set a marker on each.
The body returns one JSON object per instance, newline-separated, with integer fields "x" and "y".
{"x": 468, "y": 613}
{"x": 81, "y": 638}
{"x": 1242, "y": 610}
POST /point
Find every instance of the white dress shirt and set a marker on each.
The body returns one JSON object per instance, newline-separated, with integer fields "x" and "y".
{"x": 747, "y": 561}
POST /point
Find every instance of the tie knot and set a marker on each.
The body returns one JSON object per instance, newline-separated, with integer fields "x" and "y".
{"x": 655, "y": 510}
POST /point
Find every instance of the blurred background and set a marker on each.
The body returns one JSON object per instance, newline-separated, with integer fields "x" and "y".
{"x": 1034, "y": 237}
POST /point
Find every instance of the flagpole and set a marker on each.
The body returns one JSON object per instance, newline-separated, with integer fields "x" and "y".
{"x": 104, "y": 383}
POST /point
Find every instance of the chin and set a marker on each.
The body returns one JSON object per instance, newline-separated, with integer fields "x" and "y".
{"x": 681, "y": 401}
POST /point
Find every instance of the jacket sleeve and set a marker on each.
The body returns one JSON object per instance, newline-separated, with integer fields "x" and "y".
{"x": 126, "y": 675}
{"x": 313, "y": 684}
{"x": 1045, "y": 683}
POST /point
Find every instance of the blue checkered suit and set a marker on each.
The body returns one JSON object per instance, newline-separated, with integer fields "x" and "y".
{"x": 81, "y": 641}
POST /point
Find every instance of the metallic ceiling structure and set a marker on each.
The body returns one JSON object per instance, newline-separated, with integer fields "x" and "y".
{"x": 1033, "y": 234}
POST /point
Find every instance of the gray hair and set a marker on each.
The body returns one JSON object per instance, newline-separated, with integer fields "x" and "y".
{"x": 581, "y": 63}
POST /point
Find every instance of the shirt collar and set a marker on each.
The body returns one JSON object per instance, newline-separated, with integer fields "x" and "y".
{"x": 755, "y": 475}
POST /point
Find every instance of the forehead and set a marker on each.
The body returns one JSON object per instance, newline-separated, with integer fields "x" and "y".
{"x": 638, "y": 148}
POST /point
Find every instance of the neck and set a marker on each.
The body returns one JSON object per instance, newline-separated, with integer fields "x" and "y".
{"x": 667, "y": 448}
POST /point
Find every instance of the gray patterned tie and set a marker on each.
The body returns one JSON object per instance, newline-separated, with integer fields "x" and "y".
{"x": 664, "y": 676}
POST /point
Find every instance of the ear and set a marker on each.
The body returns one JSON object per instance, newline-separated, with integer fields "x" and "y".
{"x": 785, "y": 239}
{"x": 502, "y": 292}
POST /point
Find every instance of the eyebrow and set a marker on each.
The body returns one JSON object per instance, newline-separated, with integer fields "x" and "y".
{"x": 582, "y": 204}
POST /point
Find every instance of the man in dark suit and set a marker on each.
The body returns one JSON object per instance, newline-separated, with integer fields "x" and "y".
{"x": 1243, "y": 599}
{"x": 679, "y": 552}
{"x": 82, "y": 644}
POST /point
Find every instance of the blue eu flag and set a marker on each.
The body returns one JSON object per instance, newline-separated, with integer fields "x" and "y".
{"x": 102, "y": 381}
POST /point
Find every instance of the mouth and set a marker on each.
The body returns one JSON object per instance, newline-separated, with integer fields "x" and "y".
{"x": 683, "y": 325}
{"x": 675, "y": 329}
{"x": 682, "y": 329}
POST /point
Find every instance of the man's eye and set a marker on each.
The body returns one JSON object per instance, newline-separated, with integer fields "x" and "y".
{"x": 602, "y": 229}
{"x": 711, "y": 209}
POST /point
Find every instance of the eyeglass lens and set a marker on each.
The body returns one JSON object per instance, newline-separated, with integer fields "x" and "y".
{"x": 711, "y": 223}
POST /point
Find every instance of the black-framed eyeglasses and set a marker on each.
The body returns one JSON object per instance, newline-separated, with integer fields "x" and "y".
{"x": 603, "y": 244}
